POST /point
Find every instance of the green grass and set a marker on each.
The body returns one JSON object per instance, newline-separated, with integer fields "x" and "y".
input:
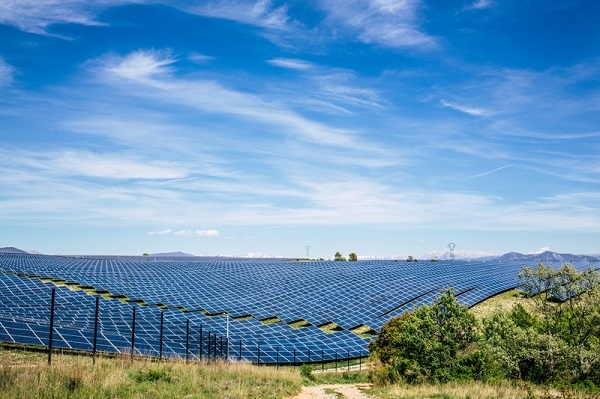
{"x": 475, "y": 390}
{"x": 330, "y": 327}
{"x": 364, "y": 331}
{"x": 299, "y": 324}
{"x": 271, "y": 320}
{"x": 27, "y": 375}
{"x": 331, "y": 391}
{"x": 504, "y": 301}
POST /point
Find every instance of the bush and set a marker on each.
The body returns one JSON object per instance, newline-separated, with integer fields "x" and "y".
{"x": 306, "y": 372}
{"x": 428, "y": 344}
{"x": 153, "y": 375}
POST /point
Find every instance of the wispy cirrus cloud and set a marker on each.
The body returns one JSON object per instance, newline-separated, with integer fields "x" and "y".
{"x": 197, "y": 233}
{"x": 463, "y": 108}
{"x": 161, "y": 232}
{"x": 187, "y": 233}
{"x": 140, "y": 65}
{"x": 35, "y": 16}
{"x": 88, "y": 164}
{"x": 151, "y": 72}
{"x": 480, "y": 5}
{"x": 261, "y": 13}
{"x": 7, "y": 73}
{"x": 290, "y": 63}
{"x": 389, "y": 23}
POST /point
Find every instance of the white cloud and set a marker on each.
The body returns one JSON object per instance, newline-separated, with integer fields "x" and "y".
{"x": 480, "y": 5}
{"x": 259, "y": 13}
{"x": 198, "y": 233}
{"x": 6, "y": 73}
{"x": 290, "y": 63}
{"x": 140, "y": 65}
{"x": 539, "y": 251}
{"x": 161, "y": 232}
{"x": 390, "y": 23}
{"x": 199, "y": 58}
{"x": 111, "y": 166}
{"x": 36, "y": 15}
{"x": 151, "y": 70}
{"x": 462, "y": 108}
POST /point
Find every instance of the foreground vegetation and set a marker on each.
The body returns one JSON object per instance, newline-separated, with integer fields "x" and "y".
{"x": 27, "y": 375}
{"x": 553, "y": 342}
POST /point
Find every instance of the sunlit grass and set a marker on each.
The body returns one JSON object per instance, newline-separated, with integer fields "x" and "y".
{"x": 27, "y": 375}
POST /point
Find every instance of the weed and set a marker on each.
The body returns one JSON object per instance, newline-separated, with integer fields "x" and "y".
{"x": 152, "y": 375}
{"x": 306, "y": 372}
{"x": 331, "y": 391}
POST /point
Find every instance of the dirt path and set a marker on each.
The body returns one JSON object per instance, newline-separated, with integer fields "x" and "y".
{"x": 334, "y": 391}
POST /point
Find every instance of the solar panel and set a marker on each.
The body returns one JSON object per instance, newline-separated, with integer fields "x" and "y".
{"x": 202, "y": 293}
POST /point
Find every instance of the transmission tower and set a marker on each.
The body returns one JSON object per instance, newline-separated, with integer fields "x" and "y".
{"x": 452, "y": 246}
{"x": 307, "y": 251}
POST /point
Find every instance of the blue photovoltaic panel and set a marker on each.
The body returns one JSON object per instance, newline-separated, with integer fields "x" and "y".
{"x": 350, "y": 294}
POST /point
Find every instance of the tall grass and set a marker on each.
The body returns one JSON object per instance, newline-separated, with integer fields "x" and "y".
{"x": 27, "y": 375}
{"x": 473, "y": 390}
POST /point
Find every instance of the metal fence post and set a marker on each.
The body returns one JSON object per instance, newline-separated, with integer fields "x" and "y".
{"x": 277, "y": 360}
{"x": 348, "y": 360}
{"x": 160, "y": 339}
{"x": 336, "y": 361}
{"x": 51, "y": 333}
{"x": 187, "y": 340}
{"x": 200, "y": 346}
{"x": 208, "y": 352}
{"x": 95, "y": 344}
{"x": 215, "y": 347}
{"x": 133, "y": 334}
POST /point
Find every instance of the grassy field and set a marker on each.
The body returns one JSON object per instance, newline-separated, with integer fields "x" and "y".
{"x": 505, "y": 301}
{"x": 27, "y": 375}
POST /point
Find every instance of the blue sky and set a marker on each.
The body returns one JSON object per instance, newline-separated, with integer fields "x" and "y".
{"x": 225, "y": 127}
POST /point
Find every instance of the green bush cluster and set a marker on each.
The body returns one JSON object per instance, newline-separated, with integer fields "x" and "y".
{"x": 153, "y": 375}
{"x": 558, "y": 342}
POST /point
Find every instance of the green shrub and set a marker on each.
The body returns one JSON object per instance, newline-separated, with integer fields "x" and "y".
{"x": 152, "y": 375}
{"x": 306, "y": 372}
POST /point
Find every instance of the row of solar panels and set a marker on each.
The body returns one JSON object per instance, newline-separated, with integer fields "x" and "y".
{"x": 320, "y": 292}
{"x": 25, "y": 315}
{"x": 349, "y": 294}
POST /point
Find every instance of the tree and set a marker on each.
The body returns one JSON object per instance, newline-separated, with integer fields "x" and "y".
{"x": 144, "y": 254}
{"x": 352, "y": 257}
{"x": 431, "y": 343}
{"x": 567, "y": 303}
{"x": 339, "y": 257}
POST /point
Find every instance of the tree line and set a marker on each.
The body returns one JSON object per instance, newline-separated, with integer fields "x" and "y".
{"x": 339, "y": 257}
{"x": 556, "y": 341}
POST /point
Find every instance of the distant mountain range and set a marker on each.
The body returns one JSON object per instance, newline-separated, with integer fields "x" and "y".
{"x": 547, "y": 256}
{"x": 12, "y": 250}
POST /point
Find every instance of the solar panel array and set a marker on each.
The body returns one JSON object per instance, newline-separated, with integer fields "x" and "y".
{"x": 227, "y": 299}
